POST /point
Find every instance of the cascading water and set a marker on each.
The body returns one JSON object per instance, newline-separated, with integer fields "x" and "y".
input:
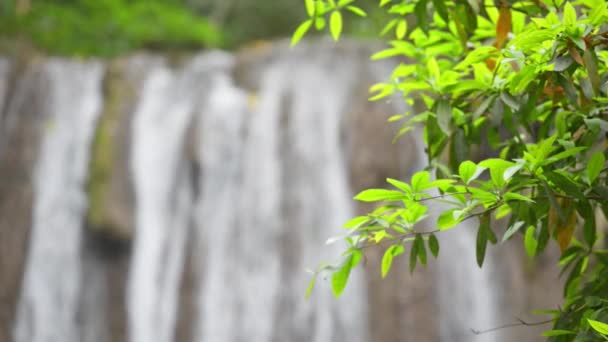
{"x": 272, "y": 180}
{"x": 264, "y": 186}
{"x": 52, "y": 282}
{"x": 164, "y": 202}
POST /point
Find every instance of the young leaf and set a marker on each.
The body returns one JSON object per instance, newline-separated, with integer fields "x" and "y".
{"x": 595, "y": 166}
{"x": 300, "y": 32}
{"x": 530, "y": 241}
{"x": 387, "y": 259}
{"x": 466, "y": 170}
{"x": 335, "y": 24}
{"x": 373, "y": 195}
{"x": 340, "y": 277}
{"x": 569, "y": 14}
{"x": 400, "y": 185}
{"x": 310, "y": 7}
{"x": 446, "y": 220}
{"x": 420, "y": 181}
{"x": 356, "y": 10}
{"x": 513, "y": 196}
{"x": 401, "y": 29}
{"x": 433, "y": 245}
{"x": 598, "y": 326}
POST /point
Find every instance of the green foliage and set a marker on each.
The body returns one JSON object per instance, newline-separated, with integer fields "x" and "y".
{"x": 109, "y": 27}
{"x": 529, "y": 79}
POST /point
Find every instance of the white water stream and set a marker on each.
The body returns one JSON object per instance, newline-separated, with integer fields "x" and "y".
{"x": 50, "y": 295}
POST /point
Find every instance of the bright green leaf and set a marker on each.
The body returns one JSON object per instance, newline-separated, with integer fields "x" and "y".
{"x": 300, "y": 32}
{"x": 530, "y": 241}
{"x": 335, "y": 24}
{"x": 598, "y": 326}
{"x": 373, "y": 195}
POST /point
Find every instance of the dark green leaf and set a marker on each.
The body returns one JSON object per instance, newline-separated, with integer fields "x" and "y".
{"x": 441, "y": 9}
{"x": 433, "y": 245}
{"x": 413, "y": 257}
{"x": 422, "y": 17}
{"x": 421, "y": 249}
{"x": 482, "y": 240}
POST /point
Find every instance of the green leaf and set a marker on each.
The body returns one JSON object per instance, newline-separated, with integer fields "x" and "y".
{"x": 441, "y": 9}
{"x": 420, "y": 181}
{"x": 530, "y": 241}
{"x": 335, "y": 24}
{"x": 356, "y": 10}
{"x": 413, "y": 257}
{"x": 595, "y": 166}
{"x": 421, "y": 249}
{"x": 444, "y": 116}
{"x": 387, "y": 259}
{"x": 311, "y": 285}
{"x": 401, "y": 29}
{"x": 356, "y": 222}
{"x": 373, "y": 195}
{"x": 340, "y": 277}
{"x": 469, "y": 171}
{"x": 400, "y": 185}
{"x": 482, "y": 239}
{"x": 514, "y": 228}
{"x": 497, "y": 169}
{"x": 300, "y": 32}
{"x": 513, "y": 196}
{"x": 598, "y": 326}
{"x": 569, "y": 14}
{"x": 422, "y": 17}
{"x": 433, "y": 245}
{"x": 310, "y": 7}
{"x": 446, "y": 220}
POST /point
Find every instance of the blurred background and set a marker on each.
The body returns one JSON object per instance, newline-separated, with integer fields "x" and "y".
{"x": 169, "y": 170}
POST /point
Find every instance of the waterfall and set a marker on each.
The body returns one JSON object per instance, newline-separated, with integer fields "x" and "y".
{"x": 240, "y": 174}
{"x": 50, "y": 295}
{"x": 164, "y": 202}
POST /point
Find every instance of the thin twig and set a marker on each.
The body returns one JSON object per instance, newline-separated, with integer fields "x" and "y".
{"x": 511, "y": 325}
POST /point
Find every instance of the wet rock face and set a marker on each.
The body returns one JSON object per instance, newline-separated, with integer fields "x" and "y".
{"x": 210, "y": 185}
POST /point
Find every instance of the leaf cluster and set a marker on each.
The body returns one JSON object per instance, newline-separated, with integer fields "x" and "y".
{"x": 529, "y": 80}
